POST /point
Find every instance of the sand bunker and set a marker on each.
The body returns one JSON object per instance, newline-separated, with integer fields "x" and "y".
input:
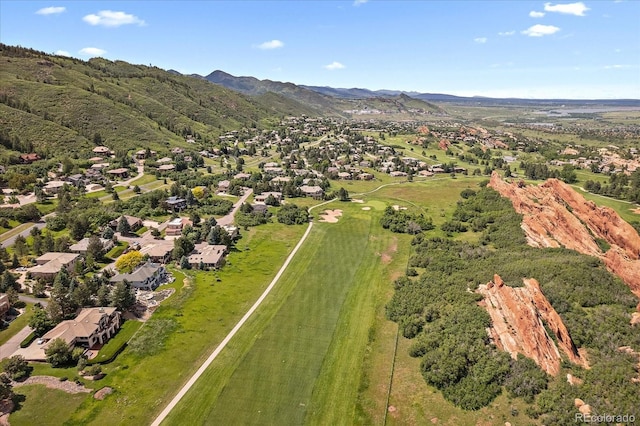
{"x": 357, "y": 201}
{"x": 330, "y": 216}
{"x": 397, "y": 207}
{"x": 636, "y": 211}
{"x": 366, "y": 208}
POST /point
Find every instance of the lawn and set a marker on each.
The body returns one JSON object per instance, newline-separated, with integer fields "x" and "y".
{"x": 168, "y": 349}
{"x": 116, "y": 251}
{"x": 302, "y": 350}
{"x": 12, "y": 224}
{"x": 16, "y": 325}
{"x": 58, "y": 407}
{"x": 146, "y": 179}
{"x": 115, "y": 344}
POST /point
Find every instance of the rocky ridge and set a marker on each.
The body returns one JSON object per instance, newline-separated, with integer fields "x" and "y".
{"x": 519, "y": 315}
{"x": 555, "y": 215}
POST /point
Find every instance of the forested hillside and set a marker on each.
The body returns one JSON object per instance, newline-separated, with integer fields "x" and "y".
{"x": 440, "y": 310}
{"x": 52, "y": 104}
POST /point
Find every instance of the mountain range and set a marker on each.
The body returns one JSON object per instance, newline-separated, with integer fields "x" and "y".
{"x": 56, "y": 105}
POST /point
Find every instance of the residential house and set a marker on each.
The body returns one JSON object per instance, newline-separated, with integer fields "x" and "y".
{"x": 176, "y": 204}
{"x": 148, "y": 276}
{"x": 174, "y": 227}
{"x": 261, "y": 198}
{"x": 232, "y": 231}
{"x": 166, "y": 167}
{"x": 5, "y": 305}
{"x": 28, "y": 158}
{"x": 81, "y": 246}
{"x": 312, "y": 191}
{"x": 242, "y": 176}
{"x": 223, "y": 186}
{"x": 259, "y": 208}
{"x": 77, "y": 180}
{"x": 135, "y": 223}
{"x": 53, "y": 187}
{"x": 159, "y": 251}
{"x": 207, "y": 255}
{"x": 49, "y": 264}
{"x": 101, "y": 150}
{"x": 90, "y": 329}
{"x": 121, "y": 173}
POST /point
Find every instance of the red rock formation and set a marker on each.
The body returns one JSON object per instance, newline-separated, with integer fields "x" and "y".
{"x": 555, "y": 215}
{"x": 517, "y": 316}
{"x": 444, "y": 144}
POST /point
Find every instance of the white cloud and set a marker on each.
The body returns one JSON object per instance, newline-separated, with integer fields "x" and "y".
{"x": 616, "y": 67}
{"x": 506, "y": 33}
{"x": 334, "y": 66}
{"x": 52, "y": 10}
{"x": 269, "y": 45}
{"x": 540, "y": 30}
{"x": 536, "y": 14}
{"x": 577, "y": 9}
{"x": 92, "y": 51}
{"x": 480, "y": 40}
{"x": 359, "y": 2}
{"x": 62, "y": 53}
{"x": 109, "y": 18}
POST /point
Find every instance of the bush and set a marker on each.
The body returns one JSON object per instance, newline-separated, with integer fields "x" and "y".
{"x": 28, "y": 340}
{"x": 291, "y": 214}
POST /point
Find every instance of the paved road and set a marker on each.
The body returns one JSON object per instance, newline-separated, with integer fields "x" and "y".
{"x": 228, "y": 219}
{"x": 235, "y": 329}
{"x": 9, "y": 241}
{"x": 13, "y": 344}
{"x": 30, "y": 299}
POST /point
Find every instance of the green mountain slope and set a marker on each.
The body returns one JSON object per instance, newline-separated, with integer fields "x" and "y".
{"x": 329, "y": 102}
{"x": 53, "y": 104}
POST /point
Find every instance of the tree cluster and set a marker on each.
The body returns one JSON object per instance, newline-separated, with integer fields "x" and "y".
{"x": 403, "y": 221}
{"x": 442, "y": 316}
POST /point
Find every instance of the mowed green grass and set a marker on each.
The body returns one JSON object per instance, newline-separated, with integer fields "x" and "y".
{"x": 297, "y": 360}
{"x": 624, "y": 208}
{"x": 31, "y": 412}
{"x": 187, "y": 327}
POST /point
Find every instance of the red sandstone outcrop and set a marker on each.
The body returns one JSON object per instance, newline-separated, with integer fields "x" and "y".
{"x": 444, "y": 144}
{"x": 555, "y": 215}
{"x": 518, "y": 316}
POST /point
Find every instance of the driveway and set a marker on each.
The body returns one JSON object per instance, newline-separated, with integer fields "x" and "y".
{"x": 13, "y": 344}
{"x": 228, "y": 219}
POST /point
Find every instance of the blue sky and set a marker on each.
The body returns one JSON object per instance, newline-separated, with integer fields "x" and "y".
{"x": 533, "y": 49}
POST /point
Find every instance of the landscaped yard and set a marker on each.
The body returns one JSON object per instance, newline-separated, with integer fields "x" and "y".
{"x": 169, "y": 347}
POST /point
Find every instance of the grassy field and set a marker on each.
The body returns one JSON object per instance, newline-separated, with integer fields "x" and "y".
{"x": 180, "y": 334}
{"x": 58, "y": 407}
{"x": 303, "y": 349}
{"x": 624, "y": 208}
